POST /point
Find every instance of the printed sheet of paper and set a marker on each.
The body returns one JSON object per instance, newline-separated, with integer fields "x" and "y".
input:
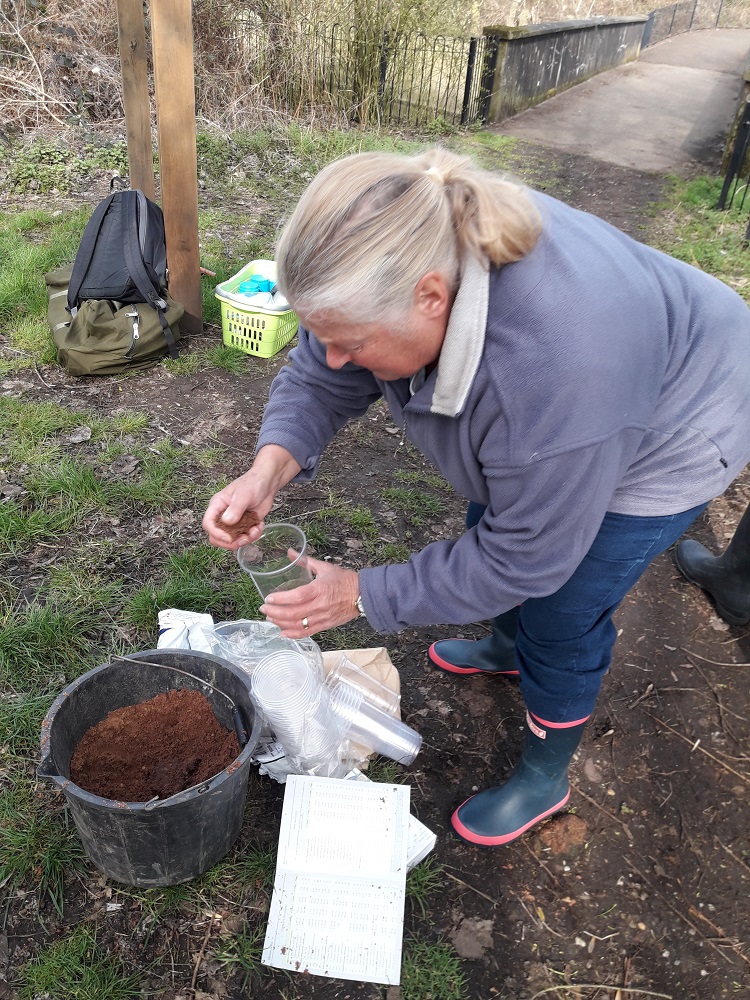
{"x": 420, "y": 840}
{"x": 338, "y": 898}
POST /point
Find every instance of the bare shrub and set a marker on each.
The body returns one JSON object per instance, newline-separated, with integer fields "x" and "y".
{"x": 60, "y": 65}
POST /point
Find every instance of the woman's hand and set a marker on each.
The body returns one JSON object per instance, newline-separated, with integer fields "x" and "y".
{"x": 330, "y": 600}
{"x": 254, "y": 491}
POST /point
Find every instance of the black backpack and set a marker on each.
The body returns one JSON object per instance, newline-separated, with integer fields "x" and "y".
{"x": 122, "y": 257}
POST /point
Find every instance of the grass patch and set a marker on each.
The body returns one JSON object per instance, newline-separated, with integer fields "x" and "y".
{"x": 255, "y": 866}
{"x": 36, "y": 844}
{"x": 25, "y": 425}
{"x": 694, "y": 230}
{"x": 391, "y": 552}
{"x": 317, "y": 537}
{"x": 79, "y": 586}
{"x": 387, "y": 771}
{"x": 51, "y": 166}
{"x": 491, "y": 140}
{"x": 240, "y": 954}
{"x": 343, "y": 637}
{"x": 77, "y": 969}
{"x": 21, "y": 722}
{"x": 360, "y": 519}
{"x": 423, "y": 478}
{"x": 42, "y": 640}
{"x": 431, "y": 971}
{"x": 230, "y": 359}
{"x": 31, "y": 244}
{"x": 195, "y": 580}
{"x": 416, "y": 505}
{"x": 19, "y": 527}
{"x": 69, "y": 495}
{"x": 424, "y": 881}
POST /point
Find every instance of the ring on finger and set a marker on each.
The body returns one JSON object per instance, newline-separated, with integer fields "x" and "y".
{"x": 305, "y": 623}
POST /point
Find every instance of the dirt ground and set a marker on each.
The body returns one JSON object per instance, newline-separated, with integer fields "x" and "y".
{"x": 642, "y": 883}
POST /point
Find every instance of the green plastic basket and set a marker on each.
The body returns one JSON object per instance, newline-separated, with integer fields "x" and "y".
{"x": 262, "y": 332}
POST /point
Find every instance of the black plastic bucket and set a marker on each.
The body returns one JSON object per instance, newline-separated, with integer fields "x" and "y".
{"x": 168, "y": 840}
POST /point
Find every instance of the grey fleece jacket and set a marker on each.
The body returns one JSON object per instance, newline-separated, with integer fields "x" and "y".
{"x": 596, "y": 374}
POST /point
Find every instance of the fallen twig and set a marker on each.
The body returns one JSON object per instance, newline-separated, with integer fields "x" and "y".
{"x": 715, "y": 663}
{"x": 719, "y": 933}
{"x": 540, "y": 862}
{"x": 709, "y": 941}
{"x": 606, "y": 812}
{"x": 39, "y": 376}
{"x": 695, "y": 745}
{"x": 537, "y": 920}
{"x": 603, "y": 986}
{"x": 201, "y": 953}
{"x": 730, "y": 852}
{"x": 719, "y": 704}
{"x": 646, "y": 694}
{"x": 477, "y": 891}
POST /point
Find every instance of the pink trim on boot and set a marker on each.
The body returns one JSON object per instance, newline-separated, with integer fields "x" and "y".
{"x": 476, "y": 838}
{"x": 453, "y": 669}
{"x": 559, "y": 725}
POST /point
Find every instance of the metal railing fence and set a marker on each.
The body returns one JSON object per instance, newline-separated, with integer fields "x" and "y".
{"x": 679, "y": 17}
{"x": 372, "y": 75}
{"x": 368, "y": 75}
{"x": 735, "y": 186}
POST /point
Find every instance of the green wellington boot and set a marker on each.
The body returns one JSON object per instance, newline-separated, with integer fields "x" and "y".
{"x": 495, "y": 654}
{"x": 725, "y": 577}
{"x": 536, "y": 788}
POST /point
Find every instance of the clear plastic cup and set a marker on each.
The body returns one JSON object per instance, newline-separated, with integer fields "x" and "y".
{"x": 276, "y": 561}
{"x": 369, "y": 726}
{"x": 375, "y": 692}
{"x": 297, "y": 706}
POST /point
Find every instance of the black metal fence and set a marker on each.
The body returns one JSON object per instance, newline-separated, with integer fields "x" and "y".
{"x": 679, "y": 17}
{"x": 737, "y": 177}
{"x": 370, "y": 75}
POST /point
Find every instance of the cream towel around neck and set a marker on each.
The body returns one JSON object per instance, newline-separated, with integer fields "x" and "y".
{"x": 464, "y": 339}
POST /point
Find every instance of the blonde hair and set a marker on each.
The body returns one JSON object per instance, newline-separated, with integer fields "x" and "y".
{"x": 370, "y": 226}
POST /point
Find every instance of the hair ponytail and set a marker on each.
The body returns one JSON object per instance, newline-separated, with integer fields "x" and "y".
{"x": 371, "y": 225}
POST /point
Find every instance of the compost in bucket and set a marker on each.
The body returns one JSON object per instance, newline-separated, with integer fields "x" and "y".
{"x": 154, "y": 749}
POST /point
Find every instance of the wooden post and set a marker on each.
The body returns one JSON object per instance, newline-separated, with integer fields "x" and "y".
{"x": 172, "y": 46}
{"x": 134, "y": 64}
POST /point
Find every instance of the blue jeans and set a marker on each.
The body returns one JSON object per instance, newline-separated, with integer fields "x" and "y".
{"x": 564, "y": 641}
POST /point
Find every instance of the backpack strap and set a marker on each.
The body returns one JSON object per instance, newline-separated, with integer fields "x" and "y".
{"x": 86, "y": 252}
{"x": 138, "y": 273}
{"x": 168, "y": 335}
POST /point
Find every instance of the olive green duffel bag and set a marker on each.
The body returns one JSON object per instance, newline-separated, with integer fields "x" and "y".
{"x": 104, "y": 337}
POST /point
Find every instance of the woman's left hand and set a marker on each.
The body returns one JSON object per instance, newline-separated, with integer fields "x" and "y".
{"x": 330, "y": 600}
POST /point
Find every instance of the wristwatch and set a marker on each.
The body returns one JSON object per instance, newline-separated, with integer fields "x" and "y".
{"x": 360, "y": 606}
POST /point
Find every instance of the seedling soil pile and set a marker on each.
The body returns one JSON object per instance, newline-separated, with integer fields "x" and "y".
{"x": 157, "y": 748}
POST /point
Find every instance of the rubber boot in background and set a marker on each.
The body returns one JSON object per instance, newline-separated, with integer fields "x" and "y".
{"x": 537, "y": 787}
{"x": 725, "y": 577}
{"x": 495, "y": 654}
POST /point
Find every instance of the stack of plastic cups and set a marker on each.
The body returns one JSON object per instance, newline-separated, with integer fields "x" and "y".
{"x": 369, "y": 726}
{"x": 298, "y": 708}
{"x": 374, "y": 691}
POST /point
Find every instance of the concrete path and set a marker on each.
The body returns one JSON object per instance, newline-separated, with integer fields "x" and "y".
{"x": 667, "y": 112}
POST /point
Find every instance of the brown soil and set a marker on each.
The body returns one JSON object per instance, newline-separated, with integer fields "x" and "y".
{"x": 248, "y": 520}
{"x": 157, "y": 748}
{"x": 640, "y": 888}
